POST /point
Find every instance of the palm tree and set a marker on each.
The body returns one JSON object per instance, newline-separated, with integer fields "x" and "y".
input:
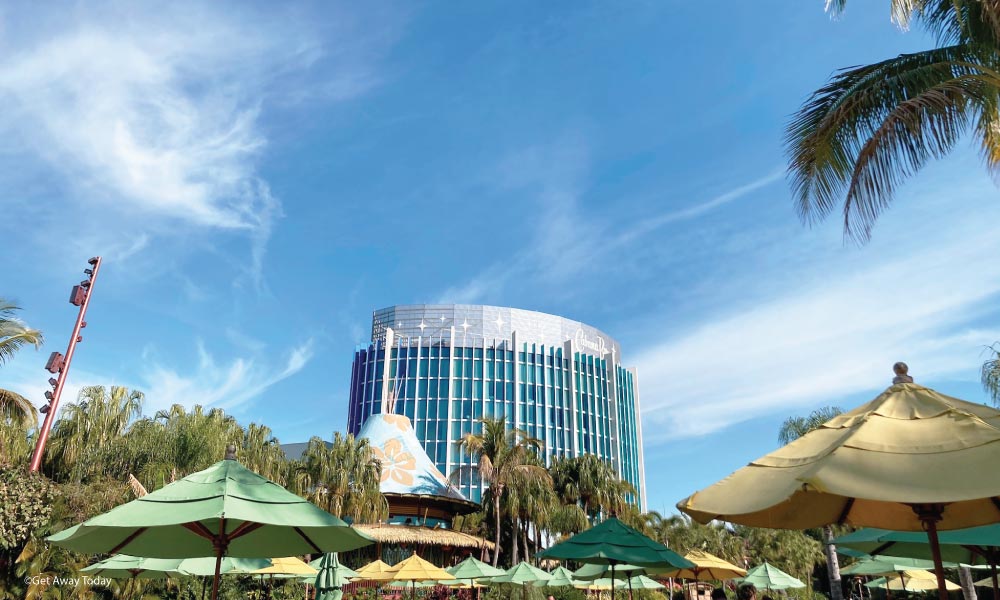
{"x": 592, "y": 483}
{"x": 870, "y": 127}
{"x": 795, "y": 427}
{"x": 503, "y": 459}
{"x": 343, "y": 478}
{"x": 94, "y": 426}
{"x": 14, "y": 334}
{"x": 792, "y": 429}
{"x": 990, "y": 374}
{"x": 15, "y": 409}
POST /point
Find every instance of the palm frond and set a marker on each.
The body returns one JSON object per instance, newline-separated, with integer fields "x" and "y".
{"x": 857, "y": 138}
{"x": 17, "y": 410}
{"x": 990, "y": 374}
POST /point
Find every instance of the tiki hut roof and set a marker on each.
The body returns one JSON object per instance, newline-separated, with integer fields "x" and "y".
{"x": 409, "y": 477}
{"x": 403, "y": 534}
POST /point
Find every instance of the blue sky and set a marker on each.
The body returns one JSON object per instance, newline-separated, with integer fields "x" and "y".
{"x": 260, "y": 178}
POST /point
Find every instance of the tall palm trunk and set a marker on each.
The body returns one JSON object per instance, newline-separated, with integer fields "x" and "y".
{"x": 832, "y": 565}
{"x": 968, "y": 588}
{"x": 514, "y": 541}
{"x": 496, "y": 513}
{"x": 524, "y": 537}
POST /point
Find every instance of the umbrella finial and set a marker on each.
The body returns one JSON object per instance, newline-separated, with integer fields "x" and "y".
{"x": 231, "y": 452}
{"x": 900, "y": 369}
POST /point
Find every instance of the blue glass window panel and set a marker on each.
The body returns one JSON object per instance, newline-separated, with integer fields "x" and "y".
{"x": 422, "y": 389}
{"x": 510, "y": 371}
{"x": 490, "y": 391}
{"x": 458, "y": 368}
{"x": 423, "y": 368}
{"x": 467, "y": 388}
{"x": 444, "y": 388}
{"x": 500, "y": 391}
{"x": 456, "y": 430}
{"x": 421, "y": 410}
{"x": 489, "y": 370}
{"x": 456, "y": 409}
{"x": 490, "y": 354}
{"x": 425, "y": 351}
{"x": 445, "y": 352}
{"x": 434, "y": 366}
{"x": 477, "y": 410}
{"x": 478, "y": 353}
{"x": 510, "y": 391}
{"x": 435, "y": 352}
{"x": 442, "y": 409}
{"x": 442, "y": 430}
{"x": 478, "y": 370}
{"x": 433, "y": 390}
{"x": 467, "y": 409}
{"x": 488, "y": 410}
{"x": 478, "y": 390}
{"x": 432, "y": 410}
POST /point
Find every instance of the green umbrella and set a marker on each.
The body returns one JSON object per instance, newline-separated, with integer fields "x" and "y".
{"x": 612, "y": 543}
{"x": 522, "y": 573}
{"x": 123, "y": 566}
{"x": 205, "y": 567}
{"x": 887, "y": 565}
{"x": 343, "y": 570}
{"x": 561, "y": 577}
{"x": 330, "y": 578}
{"x": 641, "y": 582}
{"x": 767, "y": 577}
{"x": 592, "y": 571}
{"x": 225, "y": 510}
{"x": 473, "y": 569}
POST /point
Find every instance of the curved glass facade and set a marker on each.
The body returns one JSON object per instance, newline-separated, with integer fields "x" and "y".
{"x": 447, "y": 366}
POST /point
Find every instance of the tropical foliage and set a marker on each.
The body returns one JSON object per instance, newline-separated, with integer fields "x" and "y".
{"x": 857, "y": 138}
{"x": 507, "y": 462}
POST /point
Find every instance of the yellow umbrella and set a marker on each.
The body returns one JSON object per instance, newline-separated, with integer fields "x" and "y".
{"x": 910, "y": 460}
{"x": 286, "y": 566}
{"x": 416, "y": 569}
{"x": 375, "y": 571}
{"x": 708, "y": 567}
{"x": 915, "y": 580}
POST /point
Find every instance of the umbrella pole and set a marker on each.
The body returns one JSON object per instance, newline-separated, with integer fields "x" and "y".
{"x": 204, "y": 586}
{"x": 629, "y": 587}
{"x": 220, "y": 544}
{"x": 930, "y": 516}
{"x": 993, "y": 575}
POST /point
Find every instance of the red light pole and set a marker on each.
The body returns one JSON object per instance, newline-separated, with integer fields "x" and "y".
{"x": 57, "y": 363}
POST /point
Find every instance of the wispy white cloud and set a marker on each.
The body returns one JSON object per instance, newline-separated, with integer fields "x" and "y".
{"x": 155, "y": 120}
{"x": 223, "y": 385}
{"x": 820, "y": 330}
{"x": 650, "y": 224}
{"x": 210, "y": 382}
{"x": 567, "y": 241}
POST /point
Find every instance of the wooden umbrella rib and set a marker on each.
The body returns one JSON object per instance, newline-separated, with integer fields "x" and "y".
{"x": 245, "y": 528}
{"x": 199, "y": 529}
{"x": 847, "y": 510}
{"x": 995, "y": 500}
{"x": 128, "y": 540}
{"x": 882, "y": 548}
{"x": 309, "y": 541}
